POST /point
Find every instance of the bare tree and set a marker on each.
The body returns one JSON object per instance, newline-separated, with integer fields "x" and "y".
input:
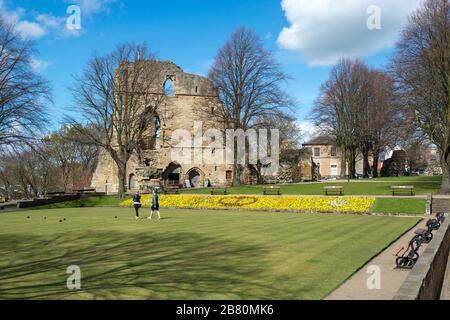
{"x": 290, "y": 136}
{"x": 382, "y": 117}
{"x": 248, "y": 80}
{"x": 71, "y": 156}
{"x": 339, "y": 109}
{"x": 421, "y": 68}
{"x": 26, "y": 172}
{"x": 117, "y": 97}
{"x": 23, "y": 93}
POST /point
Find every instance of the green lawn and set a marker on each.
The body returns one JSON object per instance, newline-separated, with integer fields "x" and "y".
{"x": 374, "y": 187}
{"x": 405, "y": 206}
{"x": 405, "y": 179}
{"x": 188, "y": 254}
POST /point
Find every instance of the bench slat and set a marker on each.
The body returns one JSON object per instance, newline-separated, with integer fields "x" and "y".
{"x": 399, "y": 189}
{"x": 336, "y": 189}
{"x": 272, "y": 189}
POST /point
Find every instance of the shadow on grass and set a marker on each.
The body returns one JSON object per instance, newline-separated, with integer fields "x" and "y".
{"x": 118, "y": 265}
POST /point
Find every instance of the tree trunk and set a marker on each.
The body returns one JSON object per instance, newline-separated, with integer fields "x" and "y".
{"x": 366, "y": 164}
{"x": 237, "y": 169}
{"x": 236, "y": 174}
{"x": 344, "y": 165}
{"x": 376, "y": 158}
{"x": 352, "y": 163}
{"x": 121, "y": 174}
{"x": 445, "y": 164}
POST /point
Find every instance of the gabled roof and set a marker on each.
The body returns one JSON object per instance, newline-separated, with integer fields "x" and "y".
{"x": 320, "y": 140}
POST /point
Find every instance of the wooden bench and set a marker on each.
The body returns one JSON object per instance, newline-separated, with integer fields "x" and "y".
{"x": 272, "y": 190}
{"x": 219, "y": 190}
{"x": 403, "y": 189}
{"x": 333, "y": 189}
{"x": 171, "y": 190}
{"x": 57, "y": 193}
{"x": 85, "y": 191}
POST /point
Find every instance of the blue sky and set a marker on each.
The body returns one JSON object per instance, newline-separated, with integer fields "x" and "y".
{"x": 307, "y": 36}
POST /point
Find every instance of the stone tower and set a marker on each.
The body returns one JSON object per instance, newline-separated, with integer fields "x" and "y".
{"x": 188, "y": 99}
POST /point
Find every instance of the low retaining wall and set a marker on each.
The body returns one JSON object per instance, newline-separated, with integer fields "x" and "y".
{"x": 425, "y": 281}
{"x": 42, "y": 202}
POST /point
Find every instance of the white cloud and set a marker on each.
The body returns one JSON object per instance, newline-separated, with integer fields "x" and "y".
{"x": 50, "y": 21}
{"x": 308, "y": 129}
{"x": 42, "y": 24}
{"x": 30, "y": 30}
{"x": 39, "y": 65}
{"x": 90, "y": 7}
{"x": 323, "y": 31}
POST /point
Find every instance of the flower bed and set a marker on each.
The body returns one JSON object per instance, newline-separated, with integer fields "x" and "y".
{"x": 292, "y": 203}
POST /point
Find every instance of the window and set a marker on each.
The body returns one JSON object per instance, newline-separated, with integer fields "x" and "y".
{"x": 229, "y": 175}
{"x": 132, "y": 182}
{"x": 316, "y": 152}
{"x": 333, "y": 152}
{"x": 168, "y": 87}
{"x": 196, "y": 89}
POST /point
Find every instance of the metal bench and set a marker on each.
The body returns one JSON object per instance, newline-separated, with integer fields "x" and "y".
{"x": 408, "y": 257}
{"x": 272, "y": 190}
{"x": 333, "y": 189}
{"x": 403, "y": 189}
{"x": 219, "y": 190}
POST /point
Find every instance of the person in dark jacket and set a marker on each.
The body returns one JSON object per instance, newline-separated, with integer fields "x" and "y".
{"x": 155, "y": 205}
{"x": 137, "y": 203}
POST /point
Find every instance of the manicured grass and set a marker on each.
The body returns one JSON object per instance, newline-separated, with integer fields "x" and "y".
{"x": 437, "y": 179}
{"x": 187, "y": 255}
{"x": 405, "y": 206}
{"x": 352, "y": 188}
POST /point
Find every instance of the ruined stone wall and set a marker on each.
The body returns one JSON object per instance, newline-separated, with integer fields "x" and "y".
{"x": 193, "y": 96}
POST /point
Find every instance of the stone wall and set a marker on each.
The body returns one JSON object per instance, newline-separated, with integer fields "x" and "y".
{"x": 42, "y": 202}
{"x": 194, "y": 100}
{"x": 424, "y": 282}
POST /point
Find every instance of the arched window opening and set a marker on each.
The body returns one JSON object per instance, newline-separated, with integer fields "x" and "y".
{"x": 132, "y": 182}
{"x": 156, "y": 134}
{"x": 157, "y": 127}
{"x": 194, "y": 178}
{"x": 168, "y": 88}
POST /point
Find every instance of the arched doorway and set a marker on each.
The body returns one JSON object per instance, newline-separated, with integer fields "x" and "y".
{"x": 132, "y": 182}
{"x": 172, "y": 174}
{"x": 195, "y": 177}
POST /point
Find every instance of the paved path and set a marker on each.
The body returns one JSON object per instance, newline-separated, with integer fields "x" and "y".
{"x": 356, "y": 288}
